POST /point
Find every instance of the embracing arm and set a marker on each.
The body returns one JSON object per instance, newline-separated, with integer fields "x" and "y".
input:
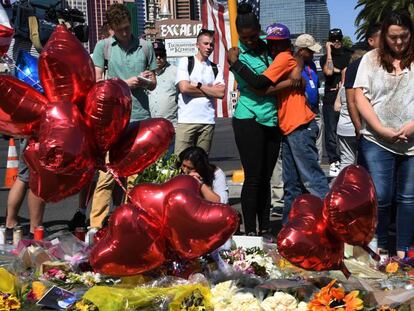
{"x": 253, "y": 79}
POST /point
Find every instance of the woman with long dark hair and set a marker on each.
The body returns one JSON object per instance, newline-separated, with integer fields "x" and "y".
{"x": 385, "y": 100}
{"x": 255, "y": 127}
{"x": 194, "y": 162}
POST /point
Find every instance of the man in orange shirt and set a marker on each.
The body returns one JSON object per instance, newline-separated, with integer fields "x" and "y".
{"x": 301, "y": 170}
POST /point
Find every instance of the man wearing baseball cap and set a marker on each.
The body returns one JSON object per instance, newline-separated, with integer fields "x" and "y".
{"x": 163, "y": 99}
{"x": 296, "y": 120}
{"x": 333, "y": 62}
{"x": 306, "y": 46}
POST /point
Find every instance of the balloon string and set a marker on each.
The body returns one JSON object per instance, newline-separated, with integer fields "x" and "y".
{"x": 345, "y": 271}
{"x": 131, "y": 199}
{"x": 10, "y": 61}
{"x": 373, "y": 254}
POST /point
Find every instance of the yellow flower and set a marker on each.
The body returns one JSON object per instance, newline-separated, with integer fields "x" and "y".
{"x": 392, "y": 267}
{"x": 81, "y": 306}
{"x": 38, "y": 289}
{"x": 353, "y": 302}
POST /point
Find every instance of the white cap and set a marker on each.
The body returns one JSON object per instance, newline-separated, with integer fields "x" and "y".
{"x": 307, "y": 41}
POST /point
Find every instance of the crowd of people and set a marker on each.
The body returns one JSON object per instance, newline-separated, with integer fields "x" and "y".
{"x": 367, "y": 112}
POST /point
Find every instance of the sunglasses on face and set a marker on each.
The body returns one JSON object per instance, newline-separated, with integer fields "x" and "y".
{"x": 160, "y": 55}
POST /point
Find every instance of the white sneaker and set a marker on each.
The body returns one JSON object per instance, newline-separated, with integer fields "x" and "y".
{"x": 333, "y": 170}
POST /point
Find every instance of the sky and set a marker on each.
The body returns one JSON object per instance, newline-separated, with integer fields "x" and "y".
{"x": 343, "y": 16}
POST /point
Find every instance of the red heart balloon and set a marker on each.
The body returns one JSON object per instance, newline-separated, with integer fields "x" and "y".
{"x": 132, "y": 245}
{"x": 195, "y": 226}
{"x": 305, "y": 240}
{"x": 100, "y": 234}
{"x": 64, "y": 144}
{"x": 304, "y": 205}
{"x": 66, "y": 70}
{"x": 351, "y": 206}
{"x": 6, "y": 32}
{"x": 140, "y": 146}
{"x": 107, "y": 112}
{"x": 150, "y": 197}
{"x": 50, "y": 186}
{"x": 21, "y": 107}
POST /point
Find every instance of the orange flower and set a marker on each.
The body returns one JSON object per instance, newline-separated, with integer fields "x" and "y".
{"x": 353, "y": 302}
{"x": 338, "y": 293}
{"x": 38, "y": 289}
{"x": 332, "y": 298}
{"x": 392, "y": 267}
{"x": 322, "y": 299}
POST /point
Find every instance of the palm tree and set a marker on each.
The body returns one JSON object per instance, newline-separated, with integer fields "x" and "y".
{"x": 374, "y": 11}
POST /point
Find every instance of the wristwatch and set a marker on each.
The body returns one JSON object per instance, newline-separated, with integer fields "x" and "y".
{"x": 199, "y": 85}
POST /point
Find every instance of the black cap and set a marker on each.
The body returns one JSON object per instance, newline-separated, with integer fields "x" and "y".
{"x": 335, "y": 34}
{"x": 159, "y": 46}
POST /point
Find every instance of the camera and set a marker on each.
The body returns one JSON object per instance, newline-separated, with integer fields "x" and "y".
{"x": 48, "y": 15}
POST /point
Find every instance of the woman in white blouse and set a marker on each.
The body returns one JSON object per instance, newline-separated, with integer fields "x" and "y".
{"x": 385, "y": 99}
{"x": 194, "y": 162}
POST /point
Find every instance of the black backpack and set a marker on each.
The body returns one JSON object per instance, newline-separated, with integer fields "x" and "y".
{"x": 191, "y": 66}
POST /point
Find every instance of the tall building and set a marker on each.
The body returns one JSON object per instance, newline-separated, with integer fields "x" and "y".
{"x": 185, "y": 9}
{"x": 96, "y": 18}
{"x": 318, "y": 20}
{"x": 141, "y": 15}
{"x": 301, "y": 16}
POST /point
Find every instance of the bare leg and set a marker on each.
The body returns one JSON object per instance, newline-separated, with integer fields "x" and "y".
{"x": 14, "y": 202}
{"x": 36, "y": 210}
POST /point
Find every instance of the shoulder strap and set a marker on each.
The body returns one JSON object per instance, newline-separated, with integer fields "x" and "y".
{"x": 215, "y": 69}
{"x": 144, "y": 45}
{"x": 107, "y": 48}
{"x": 190, "y": 65}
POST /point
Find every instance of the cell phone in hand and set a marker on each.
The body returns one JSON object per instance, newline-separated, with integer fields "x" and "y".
{"x": 144, "y": 79}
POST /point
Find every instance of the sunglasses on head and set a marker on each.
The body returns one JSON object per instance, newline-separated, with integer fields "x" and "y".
{"x": 204, "y": 31}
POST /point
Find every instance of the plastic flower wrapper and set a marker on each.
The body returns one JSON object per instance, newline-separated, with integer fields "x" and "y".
{"x": 252, "y": 261}
{"x": 14, "y": 277}
{"x": 159, "y": 172}
{"x": 65, "y": 246}
{"x": 168, "y": 293}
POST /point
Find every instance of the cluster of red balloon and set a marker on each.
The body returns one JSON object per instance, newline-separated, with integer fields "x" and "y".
{"x": 316, "y": 231}
{"x": 164, "y": 222}
{"x": 6, "y": 31}
{"x": 77, "y": 122}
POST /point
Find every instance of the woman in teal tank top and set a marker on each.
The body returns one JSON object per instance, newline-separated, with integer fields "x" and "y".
{"x": 255, "y": 127}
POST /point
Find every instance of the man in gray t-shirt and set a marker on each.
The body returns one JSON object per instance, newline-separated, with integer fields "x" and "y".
{"x": 163, "y": 99}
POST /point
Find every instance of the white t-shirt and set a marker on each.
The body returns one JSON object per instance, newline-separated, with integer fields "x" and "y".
{"x": 391, "y": 96}
{"x": 345, "y": 126}
{"x": 220, "y": 186}
{"x": 198, "y": 110}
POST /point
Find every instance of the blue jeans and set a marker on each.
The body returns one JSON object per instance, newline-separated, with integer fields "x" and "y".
{"x": 301, "y": 170}
{"x": 393, "y": 176}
